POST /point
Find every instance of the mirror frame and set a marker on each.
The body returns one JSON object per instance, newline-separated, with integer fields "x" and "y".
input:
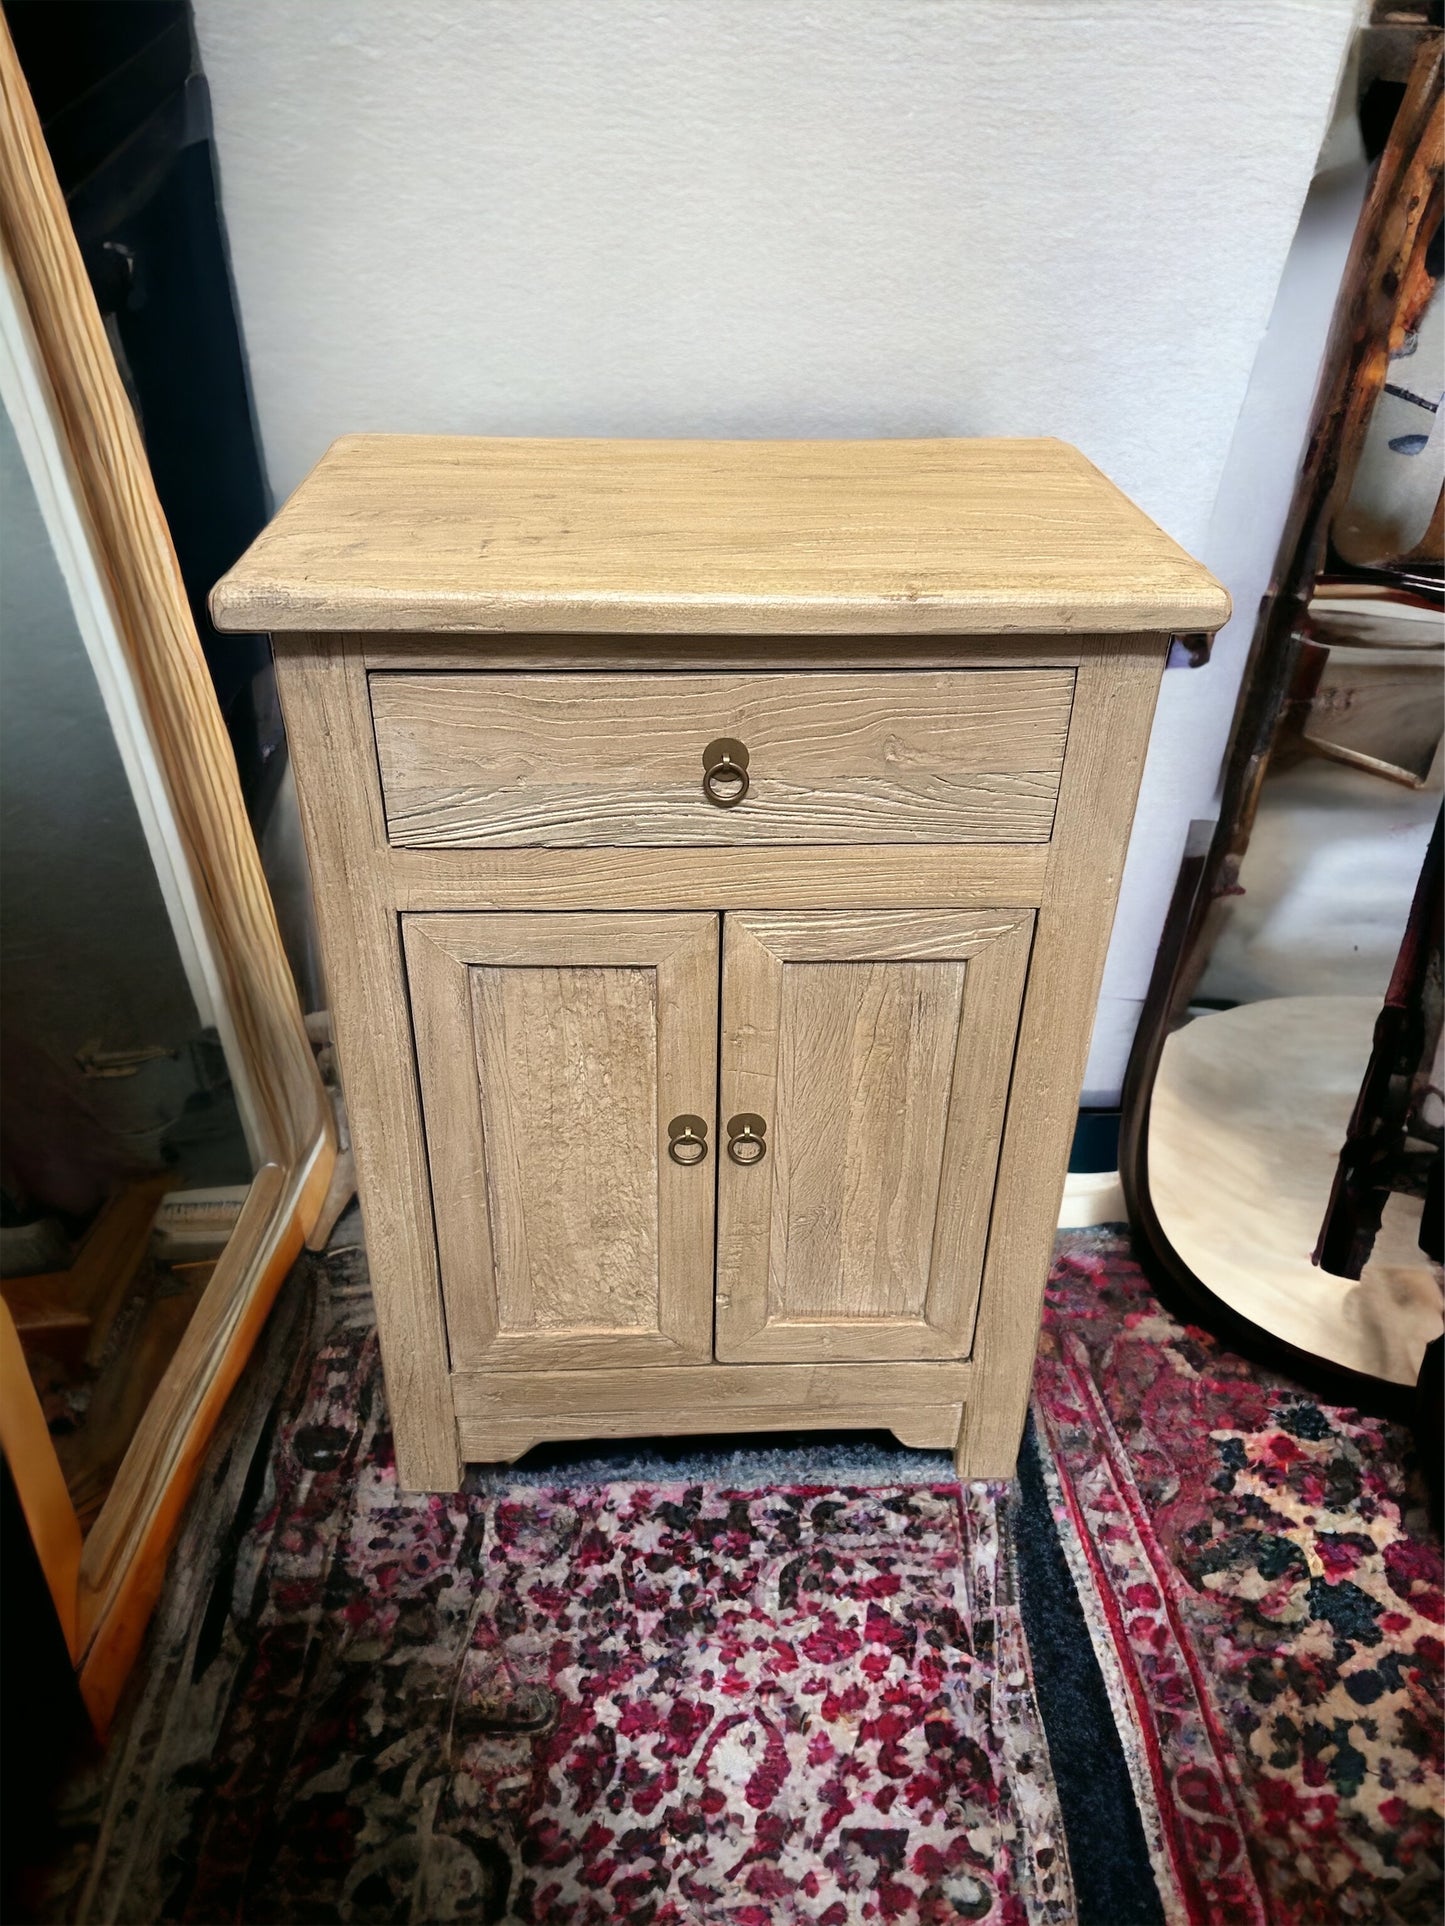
{"x": 83, "y": 448}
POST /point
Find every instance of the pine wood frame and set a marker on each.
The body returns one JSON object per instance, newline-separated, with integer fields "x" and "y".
{"x": 105, "y": 1587}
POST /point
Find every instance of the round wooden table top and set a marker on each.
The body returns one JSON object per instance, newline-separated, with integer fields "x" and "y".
{"x": 1246, "y": 1122}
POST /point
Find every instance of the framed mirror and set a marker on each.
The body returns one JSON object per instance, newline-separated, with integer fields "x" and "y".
{"x": 166, "y": 1139}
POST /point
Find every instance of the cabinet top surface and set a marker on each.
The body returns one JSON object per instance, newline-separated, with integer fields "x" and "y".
{"x": 431, "y": 533}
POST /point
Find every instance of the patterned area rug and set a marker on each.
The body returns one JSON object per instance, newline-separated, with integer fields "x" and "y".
{"x": 1263, "y": 1596}
{"x": 1187, "y": 1669}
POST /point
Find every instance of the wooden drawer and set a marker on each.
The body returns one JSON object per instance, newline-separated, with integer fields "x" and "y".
{"x": 478, "y": 760}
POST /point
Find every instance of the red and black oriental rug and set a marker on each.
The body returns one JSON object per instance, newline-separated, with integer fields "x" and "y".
{"x": 1187, "y": 1669}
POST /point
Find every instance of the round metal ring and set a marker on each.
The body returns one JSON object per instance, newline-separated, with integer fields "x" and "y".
{"x": 725, "y": 772}
{"x": 687, "y": 1141}
{"x": 747, "y": 1135}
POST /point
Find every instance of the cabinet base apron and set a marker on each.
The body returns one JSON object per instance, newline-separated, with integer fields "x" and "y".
{"x": 501, "y": 1415}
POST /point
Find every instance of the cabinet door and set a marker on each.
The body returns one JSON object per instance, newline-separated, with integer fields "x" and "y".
{"x": 554, "y": 1052}
{"x": 871, "y": 1051}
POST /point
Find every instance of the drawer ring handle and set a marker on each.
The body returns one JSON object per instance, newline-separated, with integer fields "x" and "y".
{"x": 747, "y": 1138}
{"x": 725, "y": 772}
{"x": 687, "y": 1140}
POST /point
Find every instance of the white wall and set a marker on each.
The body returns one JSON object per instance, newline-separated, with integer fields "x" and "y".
{"x": 1196, "y": 707}
{"x": 769, "y": 217}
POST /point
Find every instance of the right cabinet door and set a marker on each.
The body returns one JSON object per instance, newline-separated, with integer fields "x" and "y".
{"x": 866, "y": 1058}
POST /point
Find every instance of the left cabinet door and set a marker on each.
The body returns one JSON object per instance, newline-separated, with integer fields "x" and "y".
{"x": 556, "y": 1053}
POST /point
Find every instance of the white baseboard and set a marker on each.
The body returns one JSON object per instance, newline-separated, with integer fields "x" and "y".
{"x": 1091, "y": 1197}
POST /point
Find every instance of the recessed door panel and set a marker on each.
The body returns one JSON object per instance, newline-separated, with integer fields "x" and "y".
{"x": 567, "y": 1075}
{"x": 873, "y": 1051}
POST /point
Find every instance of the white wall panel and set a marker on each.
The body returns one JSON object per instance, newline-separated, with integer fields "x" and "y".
{"x": 778, "y": 218}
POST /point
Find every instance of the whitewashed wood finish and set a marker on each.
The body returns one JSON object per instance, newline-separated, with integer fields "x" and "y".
{"x": 596, "y": 588}
{"x": 877, "y": 1048}
{"x": 569, "y": 761}
{"x": 1108, "y": 739}
{"x": 1116, "y": 685}
{"x": 553, "y": 1050}
{"x": 937, "y": 876}
{"x": 502, "y": 1416}
{"x": 437, "y": 533}
{"x": 322, "y": 682}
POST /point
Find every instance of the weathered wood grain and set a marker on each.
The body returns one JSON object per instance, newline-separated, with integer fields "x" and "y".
{"x": 943, "y": 756}
{"x": 437, "y": 533}
{"x": 877, "y": 1047}
{"x": 553, "y": 1051}
{"x": 917, "y": 788}
{"x": 322, "y": 682}
{"x": 500, "y": 1416}
{"x": 1108, "y": 740}
{"x": 934, "y": 876}
{"x": 566, "y": 1060}
{"x": 630, "y": 653}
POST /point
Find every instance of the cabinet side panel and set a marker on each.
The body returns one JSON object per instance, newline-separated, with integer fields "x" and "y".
{"x": 1117, "y": 686}
{"x": 322, "y": 681}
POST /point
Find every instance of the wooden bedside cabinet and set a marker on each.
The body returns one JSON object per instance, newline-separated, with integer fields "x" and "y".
{"x": 715, "y": 846}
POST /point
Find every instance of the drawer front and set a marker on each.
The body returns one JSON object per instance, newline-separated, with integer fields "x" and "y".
{"x": 480, "y": 760}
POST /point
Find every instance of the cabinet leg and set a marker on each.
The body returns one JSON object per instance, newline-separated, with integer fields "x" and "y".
{"x": 988, "y": 1456}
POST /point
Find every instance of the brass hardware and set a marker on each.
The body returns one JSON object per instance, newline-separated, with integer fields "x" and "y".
{"x": 746, "y": 1138}
{"x": 725, "y": 772}
{"x": 687, "y": 1140}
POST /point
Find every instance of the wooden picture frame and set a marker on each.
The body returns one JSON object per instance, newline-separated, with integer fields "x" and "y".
{"x": 84, "y": 451}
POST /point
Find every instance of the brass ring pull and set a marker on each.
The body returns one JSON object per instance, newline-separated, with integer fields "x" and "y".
{"x": 747, "y": 1136}
{"x": 687, "y": 1140}
{"x": 725, "y": 772}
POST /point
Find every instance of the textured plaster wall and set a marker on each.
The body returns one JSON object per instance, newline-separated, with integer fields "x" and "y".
{"x": 690, "y": 217}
